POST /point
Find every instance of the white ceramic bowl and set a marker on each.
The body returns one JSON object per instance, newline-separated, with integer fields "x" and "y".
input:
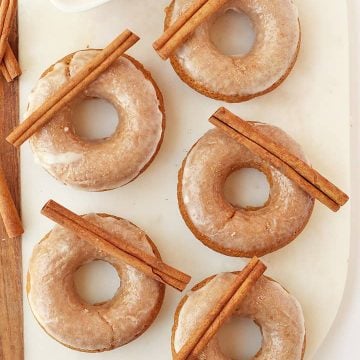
{"x": 77, "y": 5}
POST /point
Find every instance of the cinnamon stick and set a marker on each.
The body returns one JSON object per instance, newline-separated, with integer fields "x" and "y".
{"x": 10, "y": 67}
{"x": 7, "y": 15}
{"x": 182, "y": 28}
{"x": 103, "y": 240}
{"x": 72, "y": 88}
{"x": 8, "y": 211}
{"x": 294, "y": 168}
{"x": 223, "y": 310}
{"x": 5, "y": 72}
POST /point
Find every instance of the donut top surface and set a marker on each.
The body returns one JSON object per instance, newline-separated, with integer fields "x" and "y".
{"x": 70, "y": 320}
{"x": 278, "y": 314}
{"x": 276, "y": 25}
{"x": 107, "y": 163}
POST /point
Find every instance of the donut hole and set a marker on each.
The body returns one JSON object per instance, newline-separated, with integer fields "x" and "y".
{"x": 232, "y": 33}
{"x": 96, "y": 282}
{"x": 247, "y": 188}
{"x": 240, "y": 338}
{"x": 94, "y": 119}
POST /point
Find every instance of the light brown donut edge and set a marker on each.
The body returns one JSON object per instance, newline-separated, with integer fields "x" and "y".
{"x": 207, "y": 241}
{"x": 198, "y": 286}
{"x": 148, "y": 76}
{"x": 155, "y": 311}
{"x": 218, "y": 96}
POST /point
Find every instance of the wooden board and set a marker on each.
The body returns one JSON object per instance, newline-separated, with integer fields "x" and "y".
{"x": 11, "y": 310}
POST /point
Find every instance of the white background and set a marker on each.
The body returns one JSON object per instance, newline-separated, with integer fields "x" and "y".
{"x": 343, "y": 340}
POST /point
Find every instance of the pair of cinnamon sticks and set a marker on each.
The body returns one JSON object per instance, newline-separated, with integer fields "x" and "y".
{"x": 182, "y": 28}
{"x": 105, "y": 241}
{"x": 77, "y": 84}
{"x": 9, "y": 65}
{"x": 222, "y": 311}
{"x": 310, "y": 180}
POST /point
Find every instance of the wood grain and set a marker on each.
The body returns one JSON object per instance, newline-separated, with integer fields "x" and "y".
{"x": 11, "y": 310}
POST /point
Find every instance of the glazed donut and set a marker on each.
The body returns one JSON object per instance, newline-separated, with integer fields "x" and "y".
{"x": 232, "y": 230}
{"x": 65, "y": 316}
{"x": 239, "y": 78}
{"x": 107, "y": 163}
{"x": 269, "y": 305}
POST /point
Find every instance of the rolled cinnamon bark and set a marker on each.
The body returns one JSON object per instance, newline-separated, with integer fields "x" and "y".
{"x": 223, "y": 310}
{"x": 294, "y": 168}
{"x": 149, "y": 265}
{"x": 8, "y": 211}
{"x": 72, "y": 88}
{"x": 178, "y": 32}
